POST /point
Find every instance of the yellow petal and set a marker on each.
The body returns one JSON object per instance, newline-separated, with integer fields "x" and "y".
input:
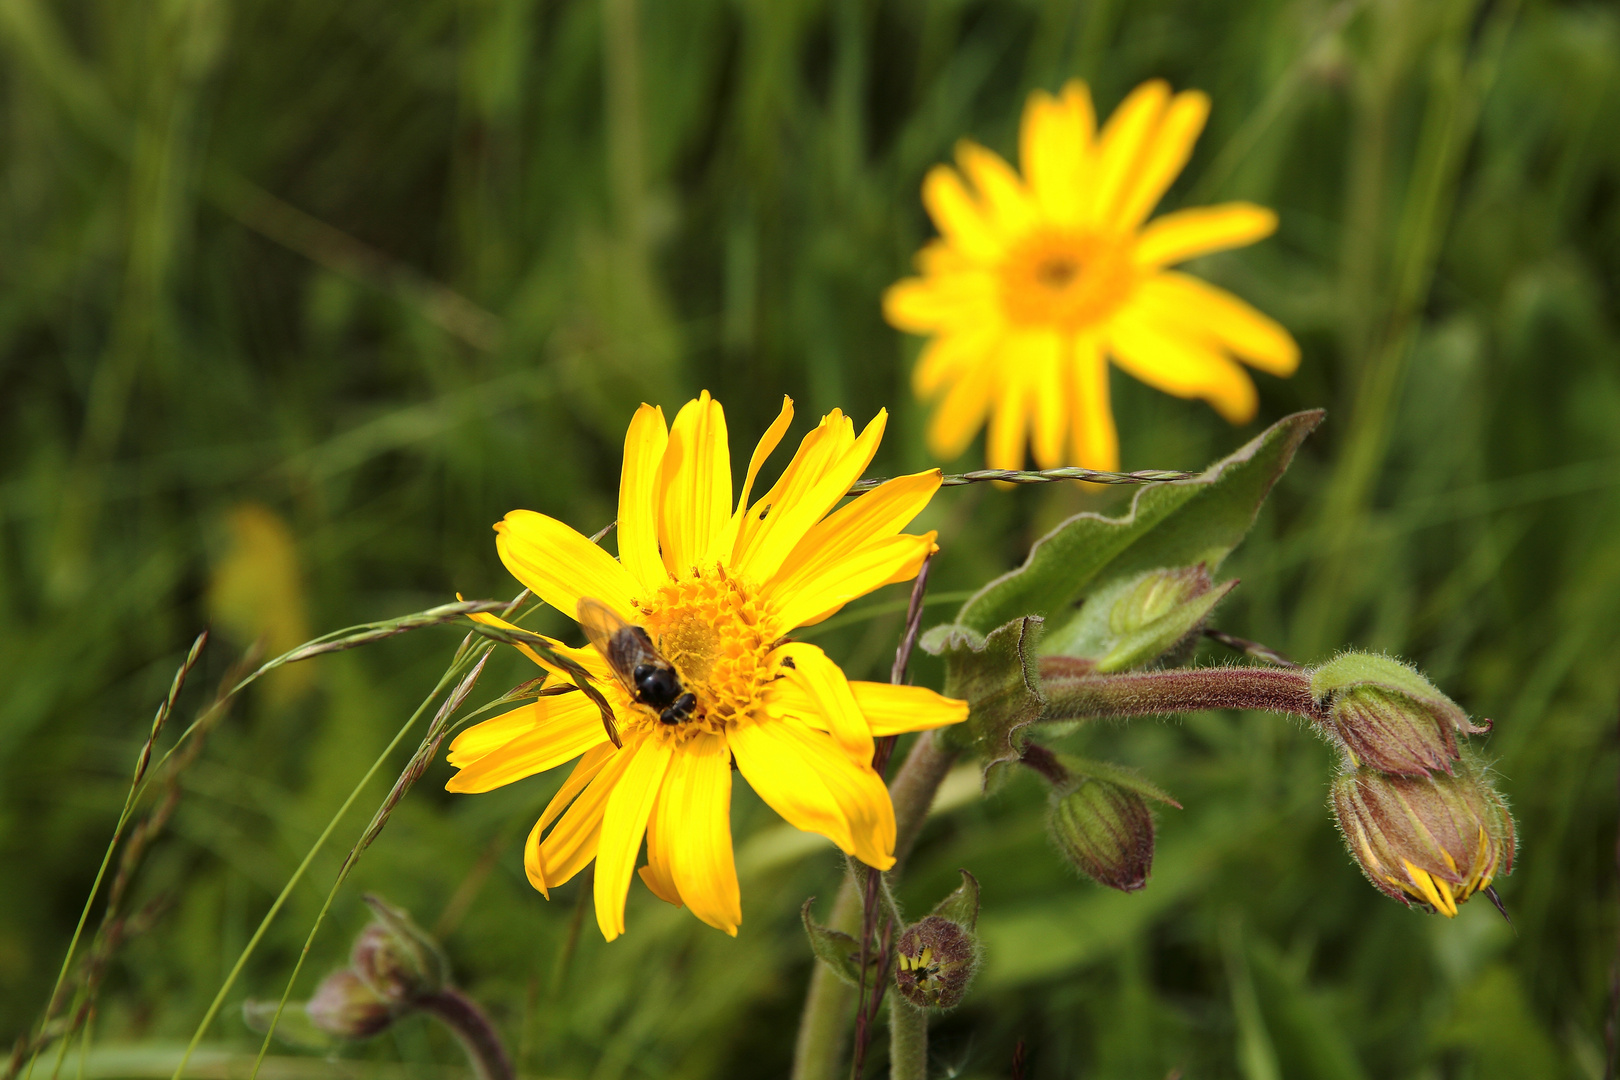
{"x": 639, "y": 486}
{"x": 1055, "y": 151}
{"x": 1201, "y": 308}
{"x": 564, "y": 728}
{"x": 960, "y": 414}
{"x": 1000, "y": 191}
{"x": 1009, "y": 420}
{"x": 1096, "y": 443}
{"x": 560, "y": 566}
{"x": 822, "y": 682}
{"x": 876, "y": 515}
{"x": 893, "y": 710}
{"x": 696, "y": 500}
{"x": 1178, "y": 365}
{"x": 1122, "y": 145}
{"x": 823, "y": 444}
{"x": 872, "y": 566}
{"x": 1186, "y": 234}
{"x": 726, "y": 542}
{"x": 571, "y": 845}
{"x": 696, "y": 831}
{"x": 624, "y": 823}
{"x": 1164, "y": 156}
{"x": 799, "y": 507}
{"x": 1043, "y": 355}
{"x": 945, "y": 359}
{"x": 804, "y": 776}
{"x": 959, "y": 218}
{"x": 660, "y": 832}
{"x": 482, "y": 738}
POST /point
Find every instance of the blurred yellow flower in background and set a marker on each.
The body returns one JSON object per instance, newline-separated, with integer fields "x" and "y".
{"x": 716, "y": 590}
{"x": 256, "y": 594}
{"x": 1038, "y": 280}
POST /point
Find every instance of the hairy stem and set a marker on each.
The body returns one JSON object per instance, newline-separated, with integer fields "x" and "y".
{"x": 1071, "y": 694}
{"x": 828, "y": 1005}
{"x": 908, "y": 1040}
{"x": 467, "y": 1021}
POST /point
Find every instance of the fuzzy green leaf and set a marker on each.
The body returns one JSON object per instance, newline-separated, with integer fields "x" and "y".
{"x": 961, "y": 906}
{"x": 996, "y": 675}
{"x": 838, "y": 950}
{"x": 1181, "y": 523}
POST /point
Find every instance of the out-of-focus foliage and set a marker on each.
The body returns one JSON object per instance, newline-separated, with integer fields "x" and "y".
{"x": 390, "y": 270}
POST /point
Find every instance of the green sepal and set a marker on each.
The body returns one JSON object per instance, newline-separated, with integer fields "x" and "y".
{"x": 293, "y": 1027}
{"x": 838, "y": 950}
{"x": 961, "y": 906}
{"x": 996, "y": 675}
{"x": 1364, "y": 669}
{"x": 1086, "y": 769}
{"x": 1181, "y": 523}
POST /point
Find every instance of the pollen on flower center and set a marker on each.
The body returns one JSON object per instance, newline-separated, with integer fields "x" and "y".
{"x": 718, "y": 636}
{"x": 1065, "y": 279}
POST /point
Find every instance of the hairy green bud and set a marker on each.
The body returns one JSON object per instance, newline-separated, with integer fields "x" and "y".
{"x": 1389, "y": 717}
{"x": 1427, "y": 840}
{"x": 1106, "y": 831}
{"x": 935, "y": 962}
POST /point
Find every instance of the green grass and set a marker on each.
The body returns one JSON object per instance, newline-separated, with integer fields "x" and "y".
{"x": 395, "y": 269}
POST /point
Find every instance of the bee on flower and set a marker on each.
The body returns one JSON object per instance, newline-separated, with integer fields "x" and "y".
{"x": 691, "y": 626}
{"x": 1038, "y": 280}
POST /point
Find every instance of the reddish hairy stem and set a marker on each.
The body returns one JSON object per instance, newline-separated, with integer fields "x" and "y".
{"x": 1074, "y": 694}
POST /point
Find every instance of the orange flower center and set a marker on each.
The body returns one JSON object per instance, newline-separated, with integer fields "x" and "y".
{"x": 717, "y": 636}
{"x": 1065, "y": 279}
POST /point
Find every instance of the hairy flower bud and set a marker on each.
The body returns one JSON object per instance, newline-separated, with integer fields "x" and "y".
{"x": 1389, "y": 717}
{"x": 1431, "y": 840}
{"x": 346, "y": 1007}
{"x": 935, "y": 964}
{"x": 1107, "y": 833}
{"x": 395, "y": 957}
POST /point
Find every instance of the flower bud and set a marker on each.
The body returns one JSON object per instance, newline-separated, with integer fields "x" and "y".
{"x": 1389, "y": 717}
{"x": 1107, "y": 833}
{"x": 1159, "y": 616}
{"x": 935, "y": 964}
{"x": 1432, "y": 840}
{"x": 345, "y": 1006}
{"x": 395, "y": 957}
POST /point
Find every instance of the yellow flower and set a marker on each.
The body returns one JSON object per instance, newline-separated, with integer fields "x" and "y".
{"x": 1038, "y": 280}
{"x": 717, "y": 590}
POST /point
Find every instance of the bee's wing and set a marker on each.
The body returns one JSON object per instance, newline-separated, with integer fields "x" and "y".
{"x": 605, "y": 628}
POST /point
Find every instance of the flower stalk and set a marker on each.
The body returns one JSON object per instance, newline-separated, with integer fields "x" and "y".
{"x": 1073, "y": 693}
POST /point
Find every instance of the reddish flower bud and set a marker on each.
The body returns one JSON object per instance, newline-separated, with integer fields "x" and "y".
{"x": 1389, "y": 717}
{"x": 935, "y": 964}
{"x": 395, "y": 957}
{"x": 346, "y": 1007}
{"x": 1107, "y": 833}
{"x": 1430, "y": 840}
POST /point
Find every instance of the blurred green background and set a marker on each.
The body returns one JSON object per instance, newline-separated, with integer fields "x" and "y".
{"x": 296, "y": 298}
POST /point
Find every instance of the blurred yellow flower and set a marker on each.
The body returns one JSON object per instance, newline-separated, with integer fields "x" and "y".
{"x": 715, "y": 590}
{"x": 256, "y": 593}
{"x": 1038, "y": 280}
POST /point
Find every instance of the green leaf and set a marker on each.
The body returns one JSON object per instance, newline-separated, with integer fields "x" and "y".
{"x": 961, "y": 906}
{"x": 1181, "y": 523}
{"x": 1119, "y": 775}
{"x": 838, "y": 950}
{"x": 996, "y": 676}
